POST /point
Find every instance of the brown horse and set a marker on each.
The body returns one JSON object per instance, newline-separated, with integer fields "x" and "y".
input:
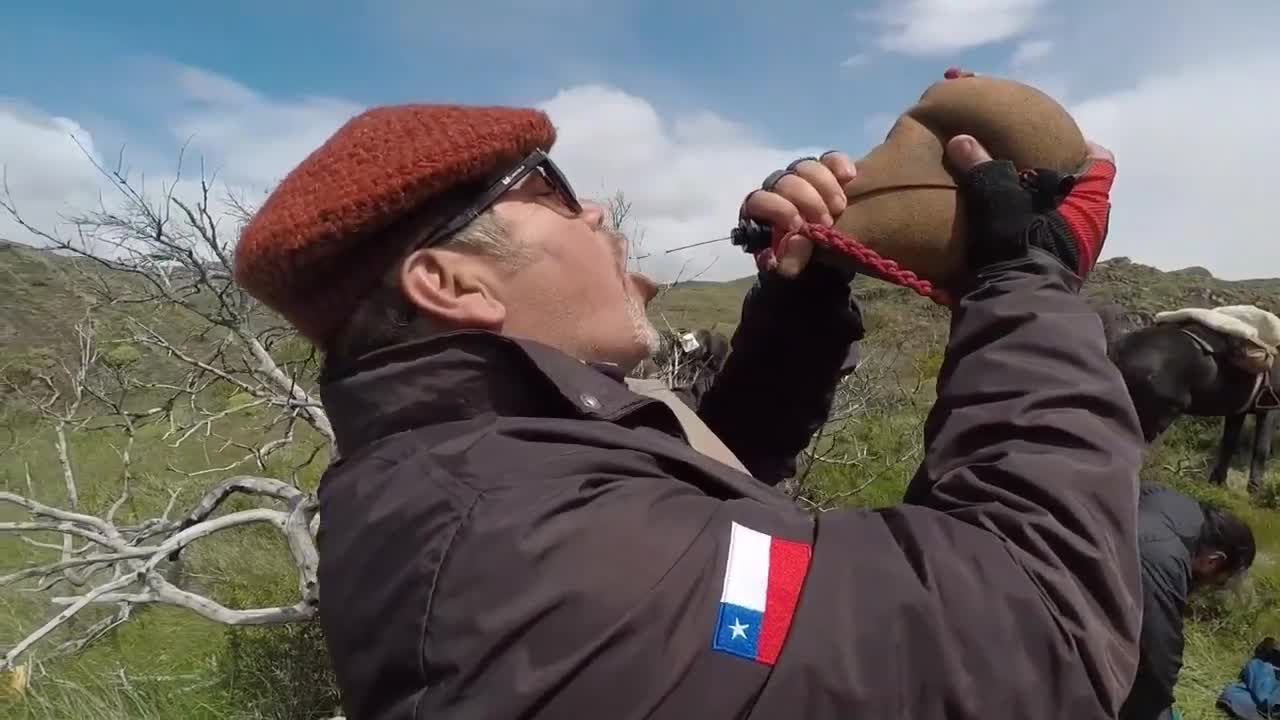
{"x": 1185, "y": 368}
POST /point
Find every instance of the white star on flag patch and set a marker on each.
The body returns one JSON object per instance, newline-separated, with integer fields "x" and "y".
{"x": 762, "y": 582}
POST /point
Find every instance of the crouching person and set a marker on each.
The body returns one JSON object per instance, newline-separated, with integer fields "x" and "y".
{"x": 1186, "y": 546}
{"x": 509, "y": 531}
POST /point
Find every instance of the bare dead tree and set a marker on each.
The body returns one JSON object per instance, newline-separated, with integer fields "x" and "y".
{"x": 166, "y": 342}
{"x": 889, "y": 381}
{"x": 104, "y": 561}
{"x": 620, "y": 219}
{"x": 122, "y": 564}
{"x": 65, "y": 414}
{"x": 169, "y": 261}
{"x": 166, "y": 339}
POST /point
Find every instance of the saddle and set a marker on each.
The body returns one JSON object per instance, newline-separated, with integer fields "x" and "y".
{"x": 1252, "y": 336}
{"x": 1254, "y": 333}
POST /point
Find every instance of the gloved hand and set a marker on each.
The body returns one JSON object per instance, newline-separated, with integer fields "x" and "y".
{"x": 1009, "y": 211}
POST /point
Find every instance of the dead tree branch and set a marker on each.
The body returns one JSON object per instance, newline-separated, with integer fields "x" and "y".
{"x": 169, "y": 261}
{"x": 169, "y": 344}
{"x": 123, "y": 563}
{"x": 887, "y": 383}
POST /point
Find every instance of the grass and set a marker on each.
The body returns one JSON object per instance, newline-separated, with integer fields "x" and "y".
{"x": 163, "y": 662}
{"x": 1222, "y": 627}
{"x": 167, "y": 663}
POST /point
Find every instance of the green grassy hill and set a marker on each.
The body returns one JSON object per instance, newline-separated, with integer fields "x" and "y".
{"x": 35, "y": 299}
{"x": 166, "y": 663}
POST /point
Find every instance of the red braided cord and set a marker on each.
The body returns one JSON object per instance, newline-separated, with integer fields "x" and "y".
{"x": 872, "y": 263}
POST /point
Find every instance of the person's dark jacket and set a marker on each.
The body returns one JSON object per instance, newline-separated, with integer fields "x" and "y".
{"x": 1169, "y": 525}
{"x": 512, "y": 533}
{"x": 705, "y": 376}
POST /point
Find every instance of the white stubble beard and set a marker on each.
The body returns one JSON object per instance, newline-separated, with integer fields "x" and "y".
{"x": 645, "y": 332}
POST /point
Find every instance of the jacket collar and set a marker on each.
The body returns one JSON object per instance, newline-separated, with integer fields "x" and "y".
{"x": 464, "y": 374}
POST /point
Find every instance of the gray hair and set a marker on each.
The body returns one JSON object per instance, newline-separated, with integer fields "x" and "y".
{"x": 485, "y": 236}
{"x": 385, "y": 317}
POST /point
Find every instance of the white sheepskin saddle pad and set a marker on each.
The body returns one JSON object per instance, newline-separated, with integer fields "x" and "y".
{"x": 1247, "y": 322}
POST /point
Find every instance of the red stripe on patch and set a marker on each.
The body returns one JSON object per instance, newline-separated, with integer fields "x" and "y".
{"x": 788, "y": 565}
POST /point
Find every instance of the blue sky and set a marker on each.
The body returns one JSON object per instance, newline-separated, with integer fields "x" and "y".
{"x": 743, "y": 59}
{"x": 682, "y": 105}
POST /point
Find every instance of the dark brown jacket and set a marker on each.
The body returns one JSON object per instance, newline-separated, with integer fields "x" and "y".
{"x": 1169, "y": 526}
{"x": 511, "y": 533}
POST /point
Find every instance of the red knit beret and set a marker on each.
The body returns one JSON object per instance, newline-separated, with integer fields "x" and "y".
{"x": 314, "y": 247}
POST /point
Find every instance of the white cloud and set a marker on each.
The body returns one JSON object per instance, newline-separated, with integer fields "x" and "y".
{"x": 933, "y": 27}
{"x": 250, "y": 139}
{"x": 246, "y": 142}
{"x": 856, "y": 60}
{"x": 1178, "y": 95}
{"x": 685, "y": 176}
{"x": 48, "y": 167}
{"x": 1198, "y": 165}
{"x": 1030, "y": 52}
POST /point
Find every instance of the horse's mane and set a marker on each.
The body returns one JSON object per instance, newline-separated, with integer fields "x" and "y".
{"x": 1118, "y": 321}
{"x": 1114, "y": 323}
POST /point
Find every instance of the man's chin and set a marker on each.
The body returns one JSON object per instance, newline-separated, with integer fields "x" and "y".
{"x": 644, "y": 352}
{"x": 651, "y": 339}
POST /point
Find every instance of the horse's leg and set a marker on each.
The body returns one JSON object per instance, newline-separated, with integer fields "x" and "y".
{"x": 1264, "y": 429}
{"x": 1231, "y": 426}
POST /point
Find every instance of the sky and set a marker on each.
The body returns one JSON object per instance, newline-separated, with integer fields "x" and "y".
{"x": 683, "y": 106}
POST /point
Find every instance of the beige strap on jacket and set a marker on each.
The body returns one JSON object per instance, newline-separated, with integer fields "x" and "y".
{"x": 701, "y": 438}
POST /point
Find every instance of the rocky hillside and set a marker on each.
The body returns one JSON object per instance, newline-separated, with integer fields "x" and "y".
{"x": 40, "y": 301}
{"x": 1140, "y": 289}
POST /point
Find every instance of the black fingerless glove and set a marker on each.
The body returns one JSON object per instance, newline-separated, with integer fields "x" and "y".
{"x": 1008, "y": 212}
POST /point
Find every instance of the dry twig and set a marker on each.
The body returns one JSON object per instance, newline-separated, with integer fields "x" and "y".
{"x": 122, "y": 563}
{"x": 195, "y": 355}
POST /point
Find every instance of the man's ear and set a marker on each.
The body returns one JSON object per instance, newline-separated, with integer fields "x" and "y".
{"x": 454, "y": 289}
{"x": 1216, "y": 560}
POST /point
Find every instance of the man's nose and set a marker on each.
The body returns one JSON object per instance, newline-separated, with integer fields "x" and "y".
{"x": 593, "y": 213}
{"x": 648, "y": 288}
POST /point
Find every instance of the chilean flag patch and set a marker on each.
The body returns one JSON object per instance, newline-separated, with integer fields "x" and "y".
{"x": 762, "y": 584}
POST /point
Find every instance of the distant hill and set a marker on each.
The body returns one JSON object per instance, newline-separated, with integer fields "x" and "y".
{"x": 1140, "y": 289}
{"x": 39, "y": 303}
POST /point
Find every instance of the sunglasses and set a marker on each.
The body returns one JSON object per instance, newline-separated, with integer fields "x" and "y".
{"x": 537, "y": 161}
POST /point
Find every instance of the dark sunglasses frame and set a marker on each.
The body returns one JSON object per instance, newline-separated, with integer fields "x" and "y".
{"x": 536, "y": 161}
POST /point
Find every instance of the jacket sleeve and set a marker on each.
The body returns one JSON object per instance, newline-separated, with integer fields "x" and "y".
{"x": 1007, "y": 589}
{"x": 1034, "y": 440}
{"x": 789, "y": 352}
{"x": 1161, "y": 642}
{"x": 629, "y": 592}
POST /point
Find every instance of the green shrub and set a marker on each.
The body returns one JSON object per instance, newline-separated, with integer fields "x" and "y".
{"x": 279, "y": 672}
{"x": 1269, "y": 496}
{"x": 123, "y": 356}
